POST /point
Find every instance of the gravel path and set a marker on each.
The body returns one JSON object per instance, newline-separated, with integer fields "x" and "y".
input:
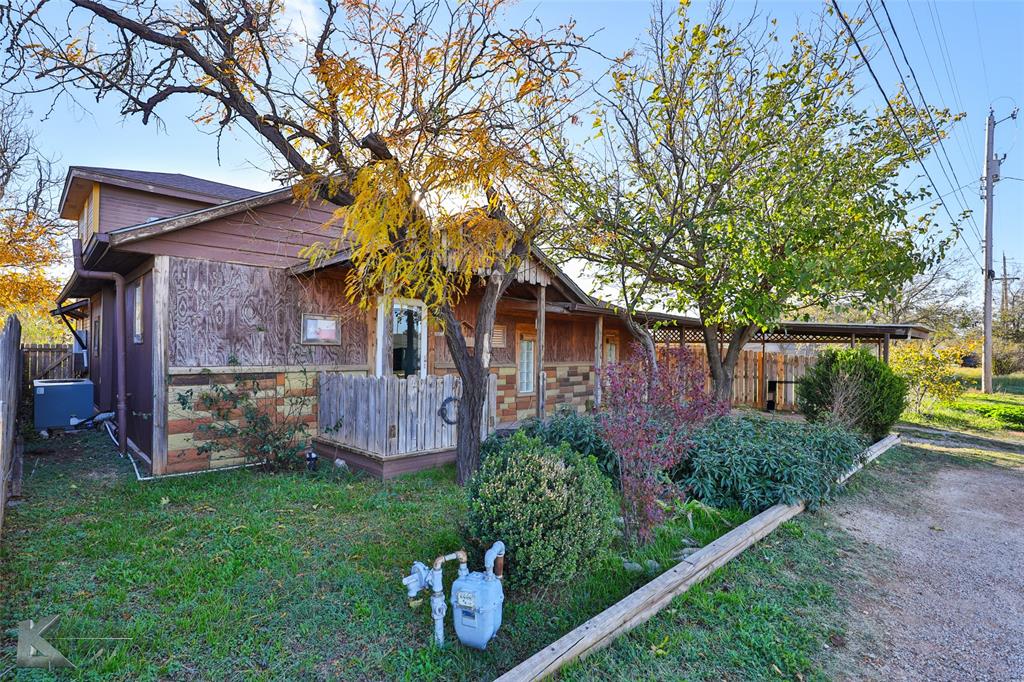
{"x": 945, "y": 599}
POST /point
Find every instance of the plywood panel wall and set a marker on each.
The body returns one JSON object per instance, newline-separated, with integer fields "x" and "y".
{"x": 224, "y": 313}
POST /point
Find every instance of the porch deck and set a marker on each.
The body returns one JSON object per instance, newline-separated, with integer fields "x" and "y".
{"x": 388, "y": 426}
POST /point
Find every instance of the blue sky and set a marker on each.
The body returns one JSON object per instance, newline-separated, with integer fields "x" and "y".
{"x": 967, "y": 56}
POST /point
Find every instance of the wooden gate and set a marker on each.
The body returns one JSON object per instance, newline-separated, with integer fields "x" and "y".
{"x": 755, "y": 369}
{"x": 388, "y": 416}
{"x": 47, "y": 361}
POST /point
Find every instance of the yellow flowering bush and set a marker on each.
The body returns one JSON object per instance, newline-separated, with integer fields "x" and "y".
{"x": 930, "y": 371}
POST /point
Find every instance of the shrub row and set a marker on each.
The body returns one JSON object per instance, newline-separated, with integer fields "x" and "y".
{"x": 753, "y": 463}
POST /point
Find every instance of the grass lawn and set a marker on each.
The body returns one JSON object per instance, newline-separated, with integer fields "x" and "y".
{"x": 1007, "y": 383}
{"x": 246, "y": 575}
{"x": 996, "y": 413}
{"x": 767, "y": 615}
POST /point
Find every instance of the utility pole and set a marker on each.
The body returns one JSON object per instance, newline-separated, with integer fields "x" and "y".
{"x": 1006, "y": 289}
{"x": 1004, "y": 302}
{"x": 992, "y": 163}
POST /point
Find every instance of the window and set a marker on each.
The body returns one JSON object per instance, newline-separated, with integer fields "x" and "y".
{"x": 497, "y": 335}
{"x": 402, "y": 338}
{"x": 321, "y": 330}
{"x": 527, "y": 362}
{"x": 611, "y": 349}
{"x": 97, "y": 336}
{"x": 137, "y": 313}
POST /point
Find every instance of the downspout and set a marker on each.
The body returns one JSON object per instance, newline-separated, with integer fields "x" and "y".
{"x": 119, "y": 341}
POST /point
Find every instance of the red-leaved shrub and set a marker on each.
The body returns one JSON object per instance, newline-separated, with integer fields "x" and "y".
{"x": 648, "y": 416}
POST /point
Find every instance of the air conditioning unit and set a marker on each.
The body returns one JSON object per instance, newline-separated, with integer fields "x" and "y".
{"x": 56, "y": 401}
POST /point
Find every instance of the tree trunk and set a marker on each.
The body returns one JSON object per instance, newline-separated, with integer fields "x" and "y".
{"x": 470, "y": 416}
{"x": 475, "y": 368}
{"x": 642, "y": 335}
{"x": 723, "y": 368}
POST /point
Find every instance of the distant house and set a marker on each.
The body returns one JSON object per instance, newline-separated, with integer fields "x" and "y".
{"x": 215, "y": 286}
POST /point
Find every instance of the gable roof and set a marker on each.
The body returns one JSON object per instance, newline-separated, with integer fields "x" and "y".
{"x": 178, "y": 181}
{"x": 134, "y": 233}
{"x": 79, "y": 180}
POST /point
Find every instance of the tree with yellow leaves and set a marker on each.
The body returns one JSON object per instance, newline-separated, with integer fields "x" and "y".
{"x": 29, "y": 231}
{"x": 424, "y": 122}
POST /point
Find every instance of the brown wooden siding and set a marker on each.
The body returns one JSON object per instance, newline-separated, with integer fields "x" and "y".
{"x": 121, "y": 207}
{"x": 225, "y": 314}
{"x": 103, "y": 369}
{"x": 271, "y": 236}
{"x": 139, "y": 363}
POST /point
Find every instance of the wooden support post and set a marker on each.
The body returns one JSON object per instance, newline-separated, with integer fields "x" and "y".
{"x": 762, "y": 383}
{"x": 17, "y": 467}
{"x": 161, "y": 345}
{"x": 598, "y": 358}
{"x": 541, "y": 381}
{"x": 885, "y": 349}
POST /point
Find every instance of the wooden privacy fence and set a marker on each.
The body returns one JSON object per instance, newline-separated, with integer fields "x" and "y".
{"x": 47, "y": 361}
{"x": 10, "y": 393}
{"x": 751, "y": 381}
{"x": 389, "y": 416}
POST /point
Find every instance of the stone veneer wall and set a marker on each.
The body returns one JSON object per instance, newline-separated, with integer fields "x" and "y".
{"x": 282, "y": 391}
{"x": 568, "y": 384}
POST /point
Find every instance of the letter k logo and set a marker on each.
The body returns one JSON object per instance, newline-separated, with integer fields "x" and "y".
{"x": 36, "y": 652}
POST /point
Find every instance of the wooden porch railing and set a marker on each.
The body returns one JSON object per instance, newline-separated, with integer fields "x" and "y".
{"x": 388, "y": 416}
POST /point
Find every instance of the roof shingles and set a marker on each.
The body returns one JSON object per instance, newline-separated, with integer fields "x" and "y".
{"x": 183, "y": 183}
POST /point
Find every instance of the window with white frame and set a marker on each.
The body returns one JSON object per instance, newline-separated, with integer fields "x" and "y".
{"x": 527, "y": 363}
{"x": 137, "y": 316}
{"x": 402, "y": 338}
{"x": 611, "y": 349}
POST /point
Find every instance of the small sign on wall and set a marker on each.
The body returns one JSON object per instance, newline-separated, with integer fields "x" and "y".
{"x": 323, "y": 330}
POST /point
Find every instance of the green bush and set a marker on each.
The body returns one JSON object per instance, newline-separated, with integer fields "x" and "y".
{"x": 551, "y": 506}
{"x": 580, "y": 432}
{"x": 853, "y": 389}
{"x": 754, "y": 463}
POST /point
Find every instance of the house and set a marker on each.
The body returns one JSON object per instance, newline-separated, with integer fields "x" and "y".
{"x": 214, "y": 286}
{"x": 191, "y": 283}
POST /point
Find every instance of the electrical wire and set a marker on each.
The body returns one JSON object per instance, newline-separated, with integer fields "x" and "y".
{"x": 981, "y": 48}
{"x": 895, "y": 115}
{"x": 955, "y": 181}
{"x": 974, "y": 153}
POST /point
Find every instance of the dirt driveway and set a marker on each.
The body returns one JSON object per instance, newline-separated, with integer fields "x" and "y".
{"x": 941, "y": 529}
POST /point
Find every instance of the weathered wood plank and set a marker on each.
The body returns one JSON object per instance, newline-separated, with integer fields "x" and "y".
{"x": 160, "y": 361}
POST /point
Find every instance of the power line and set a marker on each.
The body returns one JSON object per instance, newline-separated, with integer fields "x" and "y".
{"x": 974, "y": 153}
{"x": 981, "y": 48}
{"x": 955, "y": 181}
{"x": 892, "y": 110}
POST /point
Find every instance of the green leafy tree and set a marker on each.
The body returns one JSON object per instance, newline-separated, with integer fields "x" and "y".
{"x": 733, "y": 175}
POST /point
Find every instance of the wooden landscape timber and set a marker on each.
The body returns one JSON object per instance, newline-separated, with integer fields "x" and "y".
{"x": 643, "y": 604}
